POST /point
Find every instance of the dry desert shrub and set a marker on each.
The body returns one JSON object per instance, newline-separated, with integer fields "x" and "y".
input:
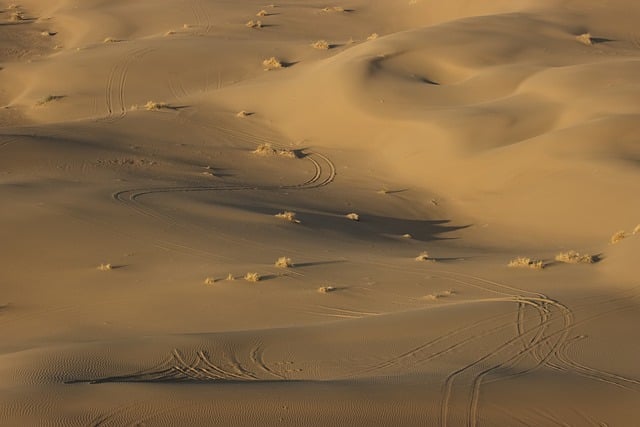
{"x": 326, "y": 289}
{"x": 424, "y": 256}
{"x": 230, "y": 278}
{"x": 439, "y": 295}
{"x": 267, "y": 149}
{"x": 252, "y": 277}
{"x": 618, "y": 236}
{"x": 526, "y": 262}
{"x": 333, "y": 9}
{"x": 155, "y": 106}
{"x": 48, "y": 99}
{"x": 284, "y": 262}
{"x": 209, "y": 281}
{"x": 353, "y": 216}
{"x": 254, "y": 24}
{"x": 242, "y": 114}
{"x": 573, "y": 257}
{"x": 320, "y": 44}
{"x": 262, "y": 13}
{"x": 637, "y": 229}
{"x": 105, "y": 267}
{"x": 372, "y": 36}
{"x": 585, "y": 39}
{"x": 111, "y": 40}
{"x": 407, "y": 236}
{"x": 272, "y": 64}
{"x": 288, "y": 216}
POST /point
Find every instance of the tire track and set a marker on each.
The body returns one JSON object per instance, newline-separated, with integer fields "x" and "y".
{"x": 116, "y": 84}
{"x": 257, "y": 357}
{"x": 203, "y": 20}
{"x": 7, "y": 141}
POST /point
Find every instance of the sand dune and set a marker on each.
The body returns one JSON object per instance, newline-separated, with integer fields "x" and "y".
{"x": 214, "y": 221}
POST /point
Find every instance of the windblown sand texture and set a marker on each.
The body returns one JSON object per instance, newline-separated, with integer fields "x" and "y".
{"x": 157, "y": 184}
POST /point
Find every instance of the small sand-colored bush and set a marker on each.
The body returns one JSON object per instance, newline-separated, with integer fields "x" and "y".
{"x": 105, "y": 267}
{"x": 618, "y": 236}
{"x": 267, "y": 149}
{"x": 288, "y": 216}
{"x": 637, "y": 229}
{"x": 585, "y": 39}
{"x": 230, "y": 277}
{"x": 254, "y": 24}
{"x": 252, "y": 277}
{"x": 242, "y": 114}
{"x": 526, "y": 262}
{"x": 170, "y": 33}
{"x": 573, "y": 257}
{"x": 372, "y": 36}
{"x": 272, "y": 63}
{"x": 326, "y": 289}
{"x": 155, "y": 106}
{"x": 407, "y": 236}
{"x": 262, "y": 13}
{"x": 424, "y": 256}
{"x": 209, "y": 281}
{"x": 111, "y": 40}
{"x": 320, "y": 44}
{"x": 333, "y": 9}
{"x": 439, "y": 295}
{"x": 284, "y": 262}
{"x": 49, "y": 98}
{"x": 353, "y": 216}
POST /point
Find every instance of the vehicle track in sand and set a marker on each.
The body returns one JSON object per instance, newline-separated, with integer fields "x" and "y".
{"x": 115, "y": 85}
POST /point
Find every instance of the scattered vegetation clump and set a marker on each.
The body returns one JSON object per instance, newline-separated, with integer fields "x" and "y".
{"x": 272, "y": 63}
{"x": 424, "y": 256}
{"x": 49, "y": 98}
{"x": 262, "y": 13}
{"x": 288, "y": 216}
{"x": 573, "y": 257}
{"x": 105, "y": 267}
{"x": 254, "y": 24}
{"x": 242, "y": 114}
{"x": 230, "y": 277}
{"x": 585, "y": 39}
{"x": 353, "y": 216}
{"x": 326, "y": 289}
{"x": 333, "y": 9}
{"x": 284, "y": 262}
{"x": 637, "y": 229}
{"x": 155, "y": 106}
{"x": 252, "y": 277}
{"x": 439, "y": 295}
{"x": 111, "y": 40}
{"x": 209, "y": 281}
{"x": 618, "y": 236}
{"x": 372, "y": 36}
{"x": 267, "y": 149}
{"x": 526, "y": 262}
{"x": 320, "y": 44}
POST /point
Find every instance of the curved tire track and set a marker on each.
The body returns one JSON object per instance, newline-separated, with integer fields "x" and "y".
{"x": 116, "y": 84}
